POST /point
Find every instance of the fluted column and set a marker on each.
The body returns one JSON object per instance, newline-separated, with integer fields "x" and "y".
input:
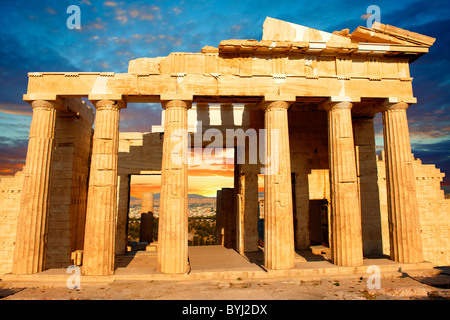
{"x": 403, "y": 215}
{"x": 278, "y": 215}
{"x": 99, "y": 245}
{"x": 346, "y": 237}
{"x": 173, "y": 217}
{"x": 31, "y": 239}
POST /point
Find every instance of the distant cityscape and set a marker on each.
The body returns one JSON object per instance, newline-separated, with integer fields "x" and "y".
{"x": 198, "y": 206}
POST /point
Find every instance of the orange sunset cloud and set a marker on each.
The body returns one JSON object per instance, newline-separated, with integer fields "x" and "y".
{"x": 203, "y": 179}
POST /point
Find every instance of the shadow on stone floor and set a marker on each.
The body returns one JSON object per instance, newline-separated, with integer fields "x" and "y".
{"x": 316, "y": 254}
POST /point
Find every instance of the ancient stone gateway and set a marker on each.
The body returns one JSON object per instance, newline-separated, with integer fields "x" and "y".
{"x": 315, "y": 94}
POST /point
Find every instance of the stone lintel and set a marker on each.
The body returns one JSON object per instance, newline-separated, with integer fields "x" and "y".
{"x": 81, "y": 108}
{"x": 176, "y": 96}
{"x": 280, "y": 97}
{"x": 409, "y": 100}
{"x": 344, "y": 99}
{"x": 107, "y": 96}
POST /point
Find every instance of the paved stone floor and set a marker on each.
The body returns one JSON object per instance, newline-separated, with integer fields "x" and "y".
{"x": 286, "y": 289}
{"x": 216, "y": 259}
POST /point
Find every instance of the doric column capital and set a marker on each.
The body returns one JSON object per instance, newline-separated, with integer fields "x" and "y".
{"x": 186, "y": 104}
{"x": 272, "y": 102}
{"x": 335, "y": 103}
{"x": 338, "y": 103}
{"x": 330, "y": 106}
{"x": 109, "y": 104}
{"x": 45, "y": 101}
{"x": 47, "y": 104}
{"x": 273, "y": 105}
{"x": 389, "y": 105}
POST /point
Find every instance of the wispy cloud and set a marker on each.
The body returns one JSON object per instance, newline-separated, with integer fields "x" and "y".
{"x": 121, "y": 16}
{"x": 146, "y": 16}
{"x": 89, "y": 3}
{"x": 139, "y": 117}
{"x": 50, "y": 11}
{"x": 177, "y": 10}
{"x": 17, "y": 109}
{"x": 12, "y": 155}
{"x": 97, "y": 24}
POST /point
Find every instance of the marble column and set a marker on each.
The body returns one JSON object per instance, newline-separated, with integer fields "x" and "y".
{"x": 146, "y": 229}
{"x": 100, "y": 231}
{"x": 173, "y": 218}
{"x": 403, "y": 215}
{"x": 346, "y": 237}
{"x": 31, "y": 239}
{"x": 278, "y": 215}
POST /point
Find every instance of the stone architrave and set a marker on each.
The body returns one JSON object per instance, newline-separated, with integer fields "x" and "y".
{"x": 346, "y": 234}
{"x": 99, "y": 246}
{"x": 31, "y": 239}
{"x": 403, "y": 214}
{"x": 278, "y": 215}
{"x": 173, "y": 218}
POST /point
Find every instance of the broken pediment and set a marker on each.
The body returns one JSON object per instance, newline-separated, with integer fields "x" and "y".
{"x": 279, "y": 30}
{"x": 282, "y": 39}
{"x": 383, "y": 33}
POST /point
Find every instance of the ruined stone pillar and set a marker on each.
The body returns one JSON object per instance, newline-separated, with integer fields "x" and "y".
{"x": 251, "y": 212}
{"x": 123, "y": 198}
{"x": 31, "y": 239}
{"x": 229, "y": 217}
{"x": 248, "y": 214}
{"x": 367, "y": 171}
{"x": 403, "y": 215}
{"x": 99, "y": 245}
{"x": 173, "y": 217}
{"x": 220, "y": 224}
{"x": 146, "y": 229}
{"x": 346, "y": 237}
{"x": 278, "y": 216}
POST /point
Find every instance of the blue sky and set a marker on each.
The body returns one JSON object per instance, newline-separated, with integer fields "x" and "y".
{"x": 34, "y": 37}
